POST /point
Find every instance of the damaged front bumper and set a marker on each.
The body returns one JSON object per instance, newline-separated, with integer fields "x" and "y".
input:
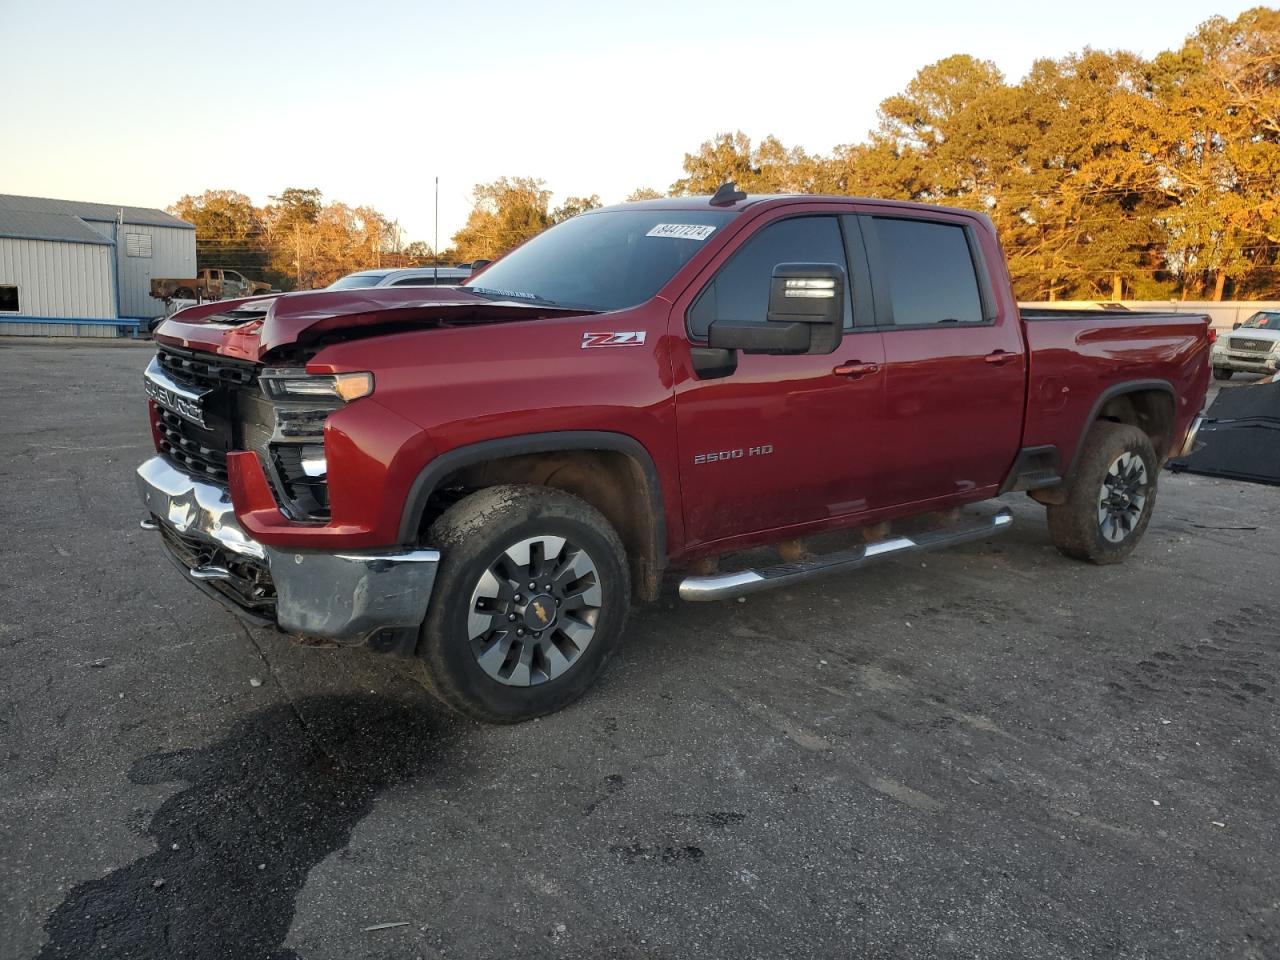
{"x": 378, "y": 597}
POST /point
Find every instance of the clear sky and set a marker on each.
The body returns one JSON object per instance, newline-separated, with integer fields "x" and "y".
{"x": 141, "y": 102}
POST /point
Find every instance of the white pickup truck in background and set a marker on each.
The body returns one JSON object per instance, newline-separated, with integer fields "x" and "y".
{"x": 1252, "y": 347}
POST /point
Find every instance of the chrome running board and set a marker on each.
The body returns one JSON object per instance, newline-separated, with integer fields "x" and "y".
{"x": 725, "y": 585}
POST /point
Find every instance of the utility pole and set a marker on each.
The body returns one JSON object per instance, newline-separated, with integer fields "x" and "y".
{"x": 435, "y": 242}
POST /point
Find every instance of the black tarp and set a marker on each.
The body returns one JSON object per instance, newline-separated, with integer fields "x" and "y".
{"x": 1240, "y": 437}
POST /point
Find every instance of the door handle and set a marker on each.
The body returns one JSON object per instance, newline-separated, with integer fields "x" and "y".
{"x": 853, "y": 370}
{"x": 999, "y": 358}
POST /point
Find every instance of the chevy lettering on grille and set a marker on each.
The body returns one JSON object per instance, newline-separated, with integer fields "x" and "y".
{"x": 185, "y": 401}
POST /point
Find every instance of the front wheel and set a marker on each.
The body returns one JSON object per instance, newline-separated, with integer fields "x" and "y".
{"x": 529, "y": 602}
{"x": 1110, "y": 498}
{"x": 1222, "y": 373}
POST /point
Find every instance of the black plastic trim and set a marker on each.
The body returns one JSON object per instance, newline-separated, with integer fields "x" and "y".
{"x": 1029, "y": 462}
{"x": 1113, "y": 391}
{"x": 560, "y": 440}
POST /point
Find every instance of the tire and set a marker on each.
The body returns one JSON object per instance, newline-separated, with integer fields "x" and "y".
{"x": 1110, "y": 497}
{"x": 488, "y": 671}
{"x": 1222, "y": 373}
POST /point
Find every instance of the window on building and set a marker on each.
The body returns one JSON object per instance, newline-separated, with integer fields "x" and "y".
{"x": 931, "y": 273}
{"x": 137, "y": 244}
{"x": 740, "y": 290}
{"x": 8, "y": 298}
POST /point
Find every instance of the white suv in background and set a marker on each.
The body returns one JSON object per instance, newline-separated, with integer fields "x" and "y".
{"x": 1252, "y": 347}
{"x": 404, "y": 277}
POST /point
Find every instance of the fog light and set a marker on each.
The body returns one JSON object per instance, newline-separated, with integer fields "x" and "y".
{"x": 313, "y": 461}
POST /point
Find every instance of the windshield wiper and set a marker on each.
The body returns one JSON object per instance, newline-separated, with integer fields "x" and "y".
{"x": 528, "y": 298}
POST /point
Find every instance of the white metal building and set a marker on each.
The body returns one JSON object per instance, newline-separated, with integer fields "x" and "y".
{"x": 85, "y": 269}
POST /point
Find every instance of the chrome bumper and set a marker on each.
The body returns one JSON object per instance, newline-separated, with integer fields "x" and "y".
{"x": 351, "y": 596}
{"x": 1189, "y": 441}
{"x": 1247, "y": 363}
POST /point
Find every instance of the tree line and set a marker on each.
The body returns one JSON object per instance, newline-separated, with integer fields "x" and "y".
{"x": 1108, "y": 175}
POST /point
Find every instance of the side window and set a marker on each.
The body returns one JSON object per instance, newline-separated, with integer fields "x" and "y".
{"x": 8, "y": 298}
{"x": 413, "y": 282}
{"x": 232, "y": 275}
{"x": 930, "y": 272}
{"x": 740, "y": 289}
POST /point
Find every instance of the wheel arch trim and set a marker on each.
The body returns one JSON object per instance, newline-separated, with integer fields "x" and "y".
{"x": 557, "y": 441}
{"x": 1109, "y": 394}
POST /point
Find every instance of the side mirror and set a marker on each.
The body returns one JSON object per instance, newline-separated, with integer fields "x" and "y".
{"x": 1236, "y": 325}
{"x": 806, "y": 314}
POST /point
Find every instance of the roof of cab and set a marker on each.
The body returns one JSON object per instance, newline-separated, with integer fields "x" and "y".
{"x": 777, "y": 199}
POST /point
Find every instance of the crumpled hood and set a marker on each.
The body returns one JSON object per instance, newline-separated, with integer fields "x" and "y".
{"x": 251, "y": 327}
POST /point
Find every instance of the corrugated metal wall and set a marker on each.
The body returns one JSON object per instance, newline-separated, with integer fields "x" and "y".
{"x": 56, "y": 279}
{"x": 173, "y": 254}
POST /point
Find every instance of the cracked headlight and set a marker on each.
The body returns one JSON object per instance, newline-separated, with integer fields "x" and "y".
{"x": 293, "y": 383}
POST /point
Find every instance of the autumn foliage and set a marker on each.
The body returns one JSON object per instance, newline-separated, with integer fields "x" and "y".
{"x": 1107, "y": 175}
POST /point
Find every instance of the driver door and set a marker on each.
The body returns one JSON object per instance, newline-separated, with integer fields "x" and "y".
{"x": 777, "y": 442}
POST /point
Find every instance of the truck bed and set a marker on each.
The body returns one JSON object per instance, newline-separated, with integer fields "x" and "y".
{"x": 1078, "y": 358}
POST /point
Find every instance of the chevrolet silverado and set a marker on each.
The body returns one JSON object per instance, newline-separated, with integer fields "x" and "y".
{"x": 484, "y": 478}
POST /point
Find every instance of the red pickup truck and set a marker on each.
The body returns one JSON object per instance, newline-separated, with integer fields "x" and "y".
{"x": 485, "y": 477}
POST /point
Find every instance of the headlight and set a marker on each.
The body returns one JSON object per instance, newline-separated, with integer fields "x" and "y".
{"x": 291, "y": 383}
{"x": 301, "y": 403}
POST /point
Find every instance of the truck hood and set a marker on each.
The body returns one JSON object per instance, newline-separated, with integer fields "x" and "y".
{"x": 251, "y": 327}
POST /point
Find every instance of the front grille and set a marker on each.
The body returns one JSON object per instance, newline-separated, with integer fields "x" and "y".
{"x": 238, "y": 416}
{"x": 202, "y": 451}
{"x": 206, "y": 369}
{"x": 1251, "y": 345}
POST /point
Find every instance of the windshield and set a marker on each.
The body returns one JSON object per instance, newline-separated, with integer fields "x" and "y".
{"x": 602, "y": 261}
{"x": 356, "y": 280}
{"x": 1263, "y": 321}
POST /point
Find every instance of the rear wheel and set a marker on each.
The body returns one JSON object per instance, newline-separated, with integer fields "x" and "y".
{"x": 1110, "y": 498}
{"x": 1222, "y": 373}
{"x": 529, "y": 602}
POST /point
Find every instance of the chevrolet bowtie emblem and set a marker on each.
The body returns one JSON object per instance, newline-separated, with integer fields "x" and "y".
{"x": 540, "y": 612}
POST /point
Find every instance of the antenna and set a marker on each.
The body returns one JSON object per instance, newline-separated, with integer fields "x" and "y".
{"x": 727, "y": 195}
{"x": 435, "y": 242}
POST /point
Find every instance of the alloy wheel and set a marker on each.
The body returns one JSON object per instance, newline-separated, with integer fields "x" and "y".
{"x": 534, "y": 611}
{"x": 1122, "y": 497}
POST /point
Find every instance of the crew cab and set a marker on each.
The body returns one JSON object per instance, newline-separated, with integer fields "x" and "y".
{"x": 485, "y": 477}
{"x": 1252, "y": 347}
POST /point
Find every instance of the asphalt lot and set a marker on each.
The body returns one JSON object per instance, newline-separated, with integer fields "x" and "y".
{"x": 986, "y": 752}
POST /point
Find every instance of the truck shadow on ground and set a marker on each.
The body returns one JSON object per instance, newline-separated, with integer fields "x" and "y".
{"x": 265, "y": 804}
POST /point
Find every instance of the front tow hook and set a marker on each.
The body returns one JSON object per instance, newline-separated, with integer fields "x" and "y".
{"x": 209, "y": 573}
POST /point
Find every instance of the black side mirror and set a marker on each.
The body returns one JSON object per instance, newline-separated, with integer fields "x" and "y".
{"x": 806, "y": 314}
{"x": 1236, "y": 325}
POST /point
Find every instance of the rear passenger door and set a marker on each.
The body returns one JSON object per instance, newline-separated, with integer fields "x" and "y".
{"x": 954, "y": 359}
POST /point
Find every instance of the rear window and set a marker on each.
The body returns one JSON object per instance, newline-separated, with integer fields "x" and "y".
{"x": 930, "y": 270}
{"x": 427, "y": 281}
{"x": 355, "y": 281}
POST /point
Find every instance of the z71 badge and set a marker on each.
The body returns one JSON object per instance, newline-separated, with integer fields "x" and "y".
{"x": 626, "y": 338}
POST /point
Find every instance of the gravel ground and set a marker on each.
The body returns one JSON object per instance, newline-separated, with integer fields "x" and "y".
{"x": 990, "y": 751}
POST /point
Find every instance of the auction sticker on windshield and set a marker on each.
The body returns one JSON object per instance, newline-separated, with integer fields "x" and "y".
{"x": 682, "y": 231}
